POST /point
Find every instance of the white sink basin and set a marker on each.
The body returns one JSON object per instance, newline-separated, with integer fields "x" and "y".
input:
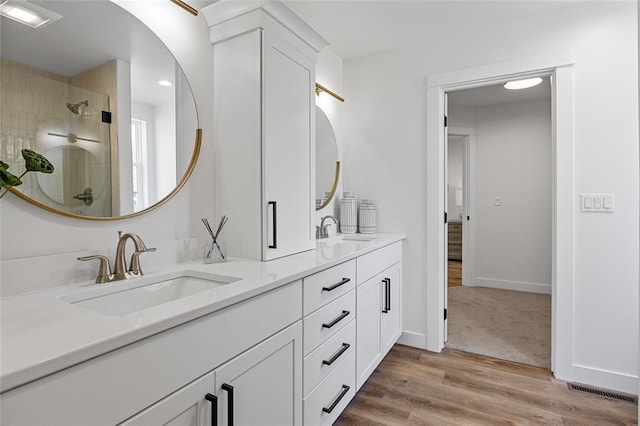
{"x": 128, "y": 296}
{"x": 358, "y": 237}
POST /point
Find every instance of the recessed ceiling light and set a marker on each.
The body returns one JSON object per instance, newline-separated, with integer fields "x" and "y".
{"x": 28, "y": 13}
{"x": 522, "y": 84}
{"x": 165, "y": 83}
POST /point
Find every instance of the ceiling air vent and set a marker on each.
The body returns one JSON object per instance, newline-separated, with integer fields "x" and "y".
{"x": 603, "y": 392}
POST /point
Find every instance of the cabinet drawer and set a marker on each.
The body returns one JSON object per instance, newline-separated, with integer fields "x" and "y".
{"x": 322, "y": 361}
{"x": 377, "y": 261}
{"x": 325, "y": 286}
{"x": 333, "y": 394}
{"x": 327, "y": 321}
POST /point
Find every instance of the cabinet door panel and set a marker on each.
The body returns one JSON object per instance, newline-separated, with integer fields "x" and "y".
{"x": 390, "y": 321}
{"x": 185, "y": 407}
{"x": 369, "y": 308}
{"x": 266, "y": 381}
{"x": 287, "y": 154}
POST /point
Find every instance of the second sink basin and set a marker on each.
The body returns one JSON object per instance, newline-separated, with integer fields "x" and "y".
{"x": 359, "y": 237}
{"x": 125, "y": 297}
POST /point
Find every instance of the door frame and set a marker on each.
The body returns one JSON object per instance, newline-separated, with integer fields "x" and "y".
{"x": 560, "y": 69}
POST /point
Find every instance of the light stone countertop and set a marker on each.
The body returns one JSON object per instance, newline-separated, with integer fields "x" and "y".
{"x": 41, "y": 334}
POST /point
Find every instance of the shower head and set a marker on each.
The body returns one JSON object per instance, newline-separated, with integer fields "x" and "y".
{"x": 75, "y": 108}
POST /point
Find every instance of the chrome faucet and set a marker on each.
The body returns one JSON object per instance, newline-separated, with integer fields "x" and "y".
{"x": 324, "y": 231}
{"x": 120, "y": 271}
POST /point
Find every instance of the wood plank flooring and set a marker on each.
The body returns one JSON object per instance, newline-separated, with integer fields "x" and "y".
{"x": 416, "y": 387}
{"x": 454, "y": 274}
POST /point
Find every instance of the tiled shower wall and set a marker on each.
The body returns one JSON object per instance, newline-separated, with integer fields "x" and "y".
{"x": 33, "y": 104}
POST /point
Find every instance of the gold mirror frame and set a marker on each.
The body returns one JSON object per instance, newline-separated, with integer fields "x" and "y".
{"x": 333, "y": 188}
{"x": 183, "y": 181}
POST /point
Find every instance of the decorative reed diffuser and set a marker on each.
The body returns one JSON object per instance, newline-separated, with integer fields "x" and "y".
{"x": 215, "y": 252}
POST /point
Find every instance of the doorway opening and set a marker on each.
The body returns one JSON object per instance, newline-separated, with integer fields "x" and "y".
{"x": 560, "y": 70}
{"x": 502, "y": 308}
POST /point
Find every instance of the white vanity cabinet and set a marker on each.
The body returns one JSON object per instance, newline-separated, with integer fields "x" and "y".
{"x": 264, "y": 121}
{"x": 379, "y": 293}
{"x": 261, "y": 386}
{"x": 291, "y": 355}
{"x": 172, "y": 372}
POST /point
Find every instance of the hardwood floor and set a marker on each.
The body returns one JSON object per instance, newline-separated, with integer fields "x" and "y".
{"x": 416, "y": 387}
{"x": 454, "y": 274}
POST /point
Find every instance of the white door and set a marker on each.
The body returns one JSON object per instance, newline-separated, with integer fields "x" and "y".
{"x": 369, "y": 309}
{"x": 446, "y": 215}
{"x": 390, "y": 328}
{"x": 263, "y": 386}
{"x": 288, "y": 117}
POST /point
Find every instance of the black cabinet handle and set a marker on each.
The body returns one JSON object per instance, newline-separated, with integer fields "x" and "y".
{"x": 385, "y": 309}
{"x": 342, "y": 316}
{"x": 229, "y": 390}
{"x": 333, "y": 359}
{"x": 343, "y": 392}
{"x": 275, "y": 224}
{"x": 333, "y": 287}
{"x": 388, "y": 284}
{"x": 214, "y": 408}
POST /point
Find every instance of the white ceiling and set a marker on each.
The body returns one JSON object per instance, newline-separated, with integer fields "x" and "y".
{"x": 357, "y": 28}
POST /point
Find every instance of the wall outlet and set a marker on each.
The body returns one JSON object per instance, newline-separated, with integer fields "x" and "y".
{"x": 497, "y": 201}
{"x": 603, "y": 202}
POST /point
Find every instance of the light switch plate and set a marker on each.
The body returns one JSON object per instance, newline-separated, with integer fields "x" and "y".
{"x": 601, "y": 202}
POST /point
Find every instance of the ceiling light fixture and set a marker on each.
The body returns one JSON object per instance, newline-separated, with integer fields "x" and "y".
{"x": 165, "y": 83}
{"x": 522, "y": 84}
{"x": 27, "y": 13}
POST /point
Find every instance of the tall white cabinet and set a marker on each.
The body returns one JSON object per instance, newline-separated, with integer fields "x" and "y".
{"x": 264, "y": 124}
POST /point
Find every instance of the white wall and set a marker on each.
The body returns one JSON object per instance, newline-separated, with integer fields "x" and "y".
{"x": 385, "y": 125}
{"x": 513, "y": 162}
{"x": 38, "y": 249}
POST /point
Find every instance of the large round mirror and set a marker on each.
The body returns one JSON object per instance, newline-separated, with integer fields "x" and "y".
{"x": 100, "y": 95}
{"x": 327, "y": 164}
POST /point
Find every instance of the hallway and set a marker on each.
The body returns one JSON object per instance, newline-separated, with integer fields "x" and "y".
{"x": 505, "y": 324}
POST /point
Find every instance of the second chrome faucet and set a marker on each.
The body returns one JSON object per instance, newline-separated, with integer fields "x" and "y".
{"x": 120, "y": 271}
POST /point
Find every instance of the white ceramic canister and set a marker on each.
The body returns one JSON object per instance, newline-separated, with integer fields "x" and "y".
{"x": 367, "y": 217}
{"x": 348, "y": 213}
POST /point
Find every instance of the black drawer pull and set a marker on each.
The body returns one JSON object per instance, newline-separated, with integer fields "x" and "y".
{"x": 333, "y": 359}
{"x": 229, "y": 390}
{"x": 387, "y": 295}
{"x": 275, "y": 224}
{"x": 342, "y": 316}
{"x": 214, "y": 408}
{"x": 333, "y": 287}
{"x": 330, "y": 408}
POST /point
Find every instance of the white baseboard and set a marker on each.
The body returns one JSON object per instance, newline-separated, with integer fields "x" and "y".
{"x": 416, "y": 340}
{"x": 612, "y": 380}
{"x": 511, "y": 285}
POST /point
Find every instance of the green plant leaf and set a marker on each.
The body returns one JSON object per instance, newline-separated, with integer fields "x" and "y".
{"x": 3, "y": 165}
{"x": 36, "y": 162}
{"x": 9, "y": 179}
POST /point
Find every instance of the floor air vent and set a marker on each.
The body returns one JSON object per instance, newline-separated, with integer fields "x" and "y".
{"x": 603, "y": 392}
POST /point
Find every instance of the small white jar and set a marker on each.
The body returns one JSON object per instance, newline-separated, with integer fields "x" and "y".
{"x": 349, "y": 213}
{"x": 367, "y": 217}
